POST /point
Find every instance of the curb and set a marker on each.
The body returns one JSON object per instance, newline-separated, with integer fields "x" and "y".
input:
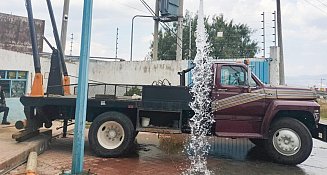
{"x": 38, "y": 144}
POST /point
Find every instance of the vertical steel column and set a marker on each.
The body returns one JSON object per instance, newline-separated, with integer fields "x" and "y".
{"x": 36, "y": 57}
{"x": 81, "y": 102}
{"x": 56, "y": 36}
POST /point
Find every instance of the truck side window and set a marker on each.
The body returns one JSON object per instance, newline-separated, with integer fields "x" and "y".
{"x": 234, "y": 76}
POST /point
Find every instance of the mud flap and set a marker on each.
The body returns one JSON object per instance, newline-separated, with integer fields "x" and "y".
{"x": 321, "y": 132}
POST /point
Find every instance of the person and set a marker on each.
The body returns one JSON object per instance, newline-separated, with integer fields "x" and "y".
{"x": 3, "y": 107}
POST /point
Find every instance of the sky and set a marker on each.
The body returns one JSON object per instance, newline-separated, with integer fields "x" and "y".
{"x": 304, "y": 25}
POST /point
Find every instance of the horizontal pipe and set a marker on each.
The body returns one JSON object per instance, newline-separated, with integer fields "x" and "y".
{"x": 31, "y": 164}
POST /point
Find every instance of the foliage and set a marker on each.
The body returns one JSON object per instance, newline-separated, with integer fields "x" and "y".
{"x": 323, "y": 109}
{"x": 132, "y": 91}
{"x": 235, "y": 43}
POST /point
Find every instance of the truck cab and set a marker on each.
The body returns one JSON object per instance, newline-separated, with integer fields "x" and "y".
{"x": 280, "y": 119}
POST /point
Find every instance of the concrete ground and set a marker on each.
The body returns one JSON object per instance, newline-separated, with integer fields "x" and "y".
{"x": 164, "y": 155}
{"x": 15, "y": 153}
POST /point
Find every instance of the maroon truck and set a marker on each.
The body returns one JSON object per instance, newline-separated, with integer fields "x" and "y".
{"x": 282, "y": 120}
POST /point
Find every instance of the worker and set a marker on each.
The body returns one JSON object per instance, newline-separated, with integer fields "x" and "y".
{"x": 3, "y": 107}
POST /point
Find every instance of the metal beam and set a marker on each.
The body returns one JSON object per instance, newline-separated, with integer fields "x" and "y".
{"x": 56, "y": 36}
{"x": 132, "y": 32}
{"x": 36, "y": 57}
{"x": 81, "y": 102}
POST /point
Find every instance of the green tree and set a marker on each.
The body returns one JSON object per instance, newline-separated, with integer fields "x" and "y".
{"x": 235, "y": 43}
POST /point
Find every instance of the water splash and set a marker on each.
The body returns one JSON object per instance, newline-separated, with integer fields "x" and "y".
{"x": 198, "y": 145}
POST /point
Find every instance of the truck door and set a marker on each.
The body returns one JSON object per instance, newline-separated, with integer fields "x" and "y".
{"x": 238, "y": 107}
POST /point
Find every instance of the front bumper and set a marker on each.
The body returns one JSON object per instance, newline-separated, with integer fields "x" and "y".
{"x": 321, "y": 132}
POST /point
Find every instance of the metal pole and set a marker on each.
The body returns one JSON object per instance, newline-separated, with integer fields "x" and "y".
{"x": 190, "y": 40}
{"x": 263, "y": 35}
{"x": 275, "y": 29}
{"x": 179, "y": 49}
{"x": 132, "y": 36}
{"x": 132, "y": 32}
{"x": 155, "y": 33}
{"x": 56, "y": 36}
{"x": 117, "y": 42}
{"x": 280, "y": 44}
{"x": 36, "y": 57}
{"x": 81, "y": 102}
{"x": 71, "y": 44}
{"x": 64, "y": 25}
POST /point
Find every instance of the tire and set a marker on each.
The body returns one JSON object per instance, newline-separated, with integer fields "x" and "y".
{"x": 289, "y": 141}
{"x": 111, "y": 134}
{"x": 258, "y": 142}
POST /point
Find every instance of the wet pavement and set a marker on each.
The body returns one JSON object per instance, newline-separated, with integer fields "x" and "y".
{"x": 163, "y": 154}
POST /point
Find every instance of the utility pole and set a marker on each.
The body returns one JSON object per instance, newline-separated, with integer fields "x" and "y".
{"x": 64, "y": 25}
{"x": 155, "y": 33}
{"x": 179, "y": 49}
{"x": 190, "y": 40}
{"x": 117, "y": 42}
{"x": 280, "y": 45}
{"x": 263, "y": 35}
{"x": 275, "y": 29}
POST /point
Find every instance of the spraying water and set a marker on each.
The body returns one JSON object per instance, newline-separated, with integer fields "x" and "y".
{"x": 198, "y": 146}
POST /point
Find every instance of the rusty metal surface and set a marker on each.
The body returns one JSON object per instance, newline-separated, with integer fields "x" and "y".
{"x": 14, "y": 33}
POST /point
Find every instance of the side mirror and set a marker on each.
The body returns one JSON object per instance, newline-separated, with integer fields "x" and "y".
{"x": 249, "y": 89}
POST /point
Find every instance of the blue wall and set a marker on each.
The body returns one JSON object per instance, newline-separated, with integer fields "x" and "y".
{"x": 16, "y": 110}
{"x": 261, "y": 70}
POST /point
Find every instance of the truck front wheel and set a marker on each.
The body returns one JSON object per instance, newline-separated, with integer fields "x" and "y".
{"x": 111, "y": 134}
{"x": 289, "y": 141}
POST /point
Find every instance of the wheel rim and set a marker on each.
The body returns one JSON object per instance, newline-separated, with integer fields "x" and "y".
{"x": 286, "y": 141}
{"x": 110, "y": 135}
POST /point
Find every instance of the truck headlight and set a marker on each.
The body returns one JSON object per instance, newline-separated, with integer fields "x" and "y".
{"x": 316, "y": 115}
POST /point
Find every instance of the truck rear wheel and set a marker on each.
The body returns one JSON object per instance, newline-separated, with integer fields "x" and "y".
{"x": 111, "y": 134}
{"x": 289, "y": 141}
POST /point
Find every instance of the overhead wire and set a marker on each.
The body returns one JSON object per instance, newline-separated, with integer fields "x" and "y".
{"x": 314, "y": 5}
{"x": 130, "y": 6}
{"x": 324, "y": 4}
{"x": 166, "y": 27}
{"x": 148, "y": 7}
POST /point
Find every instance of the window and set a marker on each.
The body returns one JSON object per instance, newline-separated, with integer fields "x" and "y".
{"x": 13, "y": 82}
{"x": 235, "y": 76}
{"x": 22, "y": 75}
{"x": 5, "y": 85}
{"x": 11, "y": 74}
{"x": 18, "y": 88}
{"x": 2, "y": 74}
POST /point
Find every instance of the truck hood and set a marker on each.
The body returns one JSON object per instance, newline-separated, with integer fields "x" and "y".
{"x": 285, "y": 92}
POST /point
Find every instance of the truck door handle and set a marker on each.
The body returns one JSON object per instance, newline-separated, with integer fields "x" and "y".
{"x": 222, "y": 90}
